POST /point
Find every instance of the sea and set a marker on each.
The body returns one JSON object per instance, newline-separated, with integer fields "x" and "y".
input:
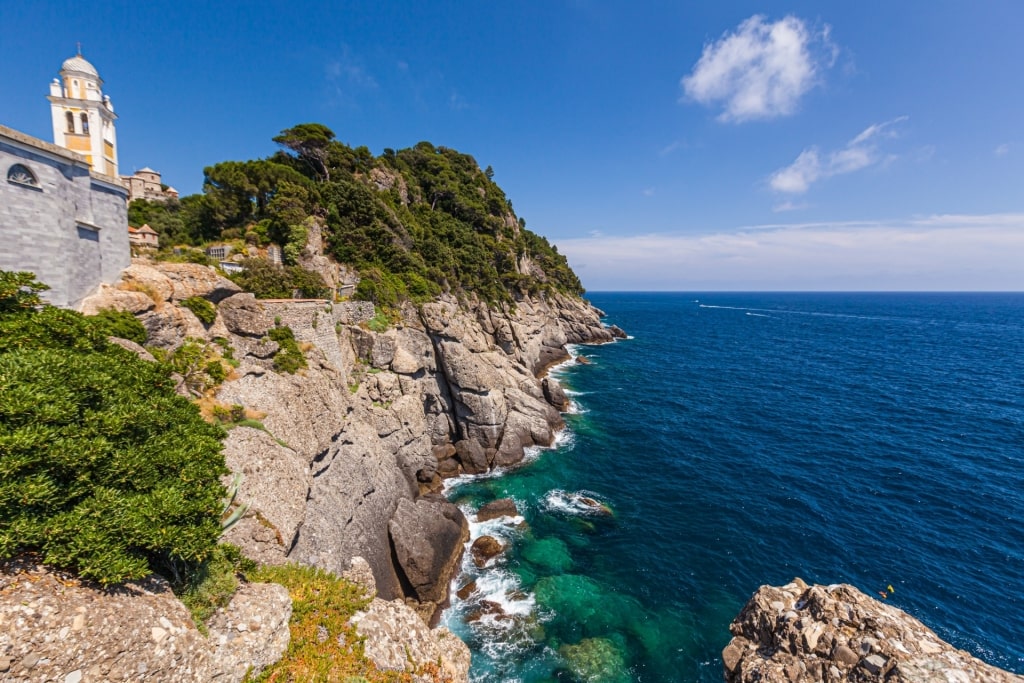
{"x": 735, "y": 440}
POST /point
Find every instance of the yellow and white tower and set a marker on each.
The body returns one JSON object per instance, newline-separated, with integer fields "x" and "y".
{"x": 83, "y": 117}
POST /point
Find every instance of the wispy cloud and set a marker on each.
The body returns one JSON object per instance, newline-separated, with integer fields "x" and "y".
{"x": 812, "y": 165}
{"x": 762, "y": 69}
{"x": 943, "y": 252}
{"x": 1002, "y": 150}
{"x": 457, "y": 102}
{"x": 648, "y": 191}
{"x": 346, "y": 74}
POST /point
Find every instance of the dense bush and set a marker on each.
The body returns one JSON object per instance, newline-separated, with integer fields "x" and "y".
{"x": 289, "y": 356}
{"x": 103, "y": 469}
{"x": 203, "y": 309}
{"x": 119, "y": 324}
{"x": 268, "y": 281}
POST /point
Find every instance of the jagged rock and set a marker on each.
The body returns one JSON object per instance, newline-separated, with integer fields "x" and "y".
{"x": 357, "y": 487}
{"x": 484, "y": 549}
{"x": 359, "y": 571}
{"x": 191, "y": 279}
{"x": 398, "y": 639}
{"x": 245, "y": 316}
{"x": 58, "y": 629}
{"x": 554, "y": 394}
{"x": 472, "y": 456}
{"x": 503, "y": 507}
{"x": 799, "y": 633}
{"x": 168, "y": 326}
{"x": 428, "y": 538}
{"x": 107, "y": 296}
{"x": 617, "y": 332}
{"x": 252, "y": 632}
{"x": 139, "y": 277}
{"x": 467, "y": 590}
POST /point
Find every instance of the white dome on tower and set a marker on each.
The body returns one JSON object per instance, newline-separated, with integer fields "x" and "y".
{"x": 79, "y": 64}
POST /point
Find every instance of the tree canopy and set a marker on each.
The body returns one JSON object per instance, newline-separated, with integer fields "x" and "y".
{"x": 415, "y": 222}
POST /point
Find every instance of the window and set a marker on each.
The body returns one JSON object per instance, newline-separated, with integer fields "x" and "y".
{"x": 71, "y": 121}
{"x": 21, "y": 175}
{"x": 85, "y": 123}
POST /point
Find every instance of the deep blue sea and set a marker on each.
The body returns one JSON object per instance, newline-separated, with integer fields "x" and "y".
{"x": 744, "y": 439}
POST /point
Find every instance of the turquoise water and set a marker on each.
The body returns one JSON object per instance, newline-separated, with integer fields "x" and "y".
{"x": 744, "y": 439}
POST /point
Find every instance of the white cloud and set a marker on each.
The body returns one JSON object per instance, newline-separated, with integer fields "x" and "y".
{"x": 811, "y": 166}
{"x": 762, "y": 69}
{"x": 648, "y": 191}
{"x": 1002, "y": 150}
{"x": 947, "y": 252}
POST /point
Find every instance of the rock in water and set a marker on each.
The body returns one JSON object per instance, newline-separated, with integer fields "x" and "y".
{"x": 484, "y": 548}
{"x": 504, "y": 507}
{"x": 554, "y": 394}
{"x": 800, "y": 633}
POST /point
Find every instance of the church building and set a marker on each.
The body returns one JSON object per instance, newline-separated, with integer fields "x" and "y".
{"x": 63, "y": 210}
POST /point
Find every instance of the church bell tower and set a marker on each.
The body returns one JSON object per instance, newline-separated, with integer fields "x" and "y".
{"x": 83, "y": 117}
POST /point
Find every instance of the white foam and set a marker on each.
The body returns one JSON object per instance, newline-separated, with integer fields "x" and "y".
{"x": 571, "y": 503}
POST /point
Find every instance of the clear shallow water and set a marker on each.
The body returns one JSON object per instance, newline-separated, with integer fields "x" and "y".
{"x": 744, "y": 439}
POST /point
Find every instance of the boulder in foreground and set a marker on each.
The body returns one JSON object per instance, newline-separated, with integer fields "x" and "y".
{"x": 799, "y": 633}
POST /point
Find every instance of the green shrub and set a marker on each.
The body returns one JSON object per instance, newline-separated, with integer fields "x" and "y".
{"x": 121, "y": 324}
{"x": 213, "y": 583}
{"x": 216, "y": 372}
{"x": 203, "y": 309}
{"x": 103, "y": 468}
{"x": 289, "y": 356}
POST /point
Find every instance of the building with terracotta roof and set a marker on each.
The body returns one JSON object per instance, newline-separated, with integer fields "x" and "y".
{"x": 144, "y": 237}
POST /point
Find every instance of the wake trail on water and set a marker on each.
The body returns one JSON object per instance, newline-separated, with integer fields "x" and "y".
{"x": 762, "y": 312}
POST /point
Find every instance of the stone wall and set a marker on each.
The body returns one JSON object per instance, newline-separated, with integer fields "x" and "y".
{"x": 316, "y": 322}
{"x": 67, "y": 226}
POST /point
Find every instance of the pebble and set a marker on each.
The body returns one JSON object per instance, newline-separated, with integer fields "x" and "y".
{"x": 74, "y": 677}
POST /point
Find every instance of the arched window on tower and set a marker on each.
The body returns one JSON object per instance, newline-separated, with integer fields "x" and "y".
{"x": 71, "y": 121}
{"x": 85, "y": 123}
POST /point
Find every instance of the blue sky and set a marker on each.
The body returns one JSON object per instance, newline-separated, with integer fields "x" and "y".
{"x": 684, "y": 145}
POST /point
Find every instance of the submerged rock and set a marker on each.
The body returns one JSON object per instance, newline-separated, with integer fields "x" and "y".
{"x": 596, "y": 660}
{"x": 504, "y": 507}
{"x": 799, "y": 633}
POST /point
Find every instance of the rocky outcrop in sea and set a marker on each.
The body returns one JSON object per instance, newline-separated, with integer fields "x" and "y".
{"x": 802, "y": 634}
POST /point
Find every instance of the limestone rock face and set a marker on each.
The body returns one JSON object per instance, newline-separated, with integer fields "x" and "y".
{"x": 58, "y": 629}
{"x": 397, "y": 639}
{"x": 799, "y": 634}
{"x": 191, "y": 279}
{"x": 252, "y": 632}
{"x": 275, "y": 483}
{"x": 356, "y": 489}
{"x": 428, "y": 538}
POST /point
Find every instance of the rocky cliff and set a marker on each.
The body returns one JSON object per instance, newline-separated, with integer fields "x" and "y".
{"x": 803, "y": 634}
{"x": 353, "y": 449}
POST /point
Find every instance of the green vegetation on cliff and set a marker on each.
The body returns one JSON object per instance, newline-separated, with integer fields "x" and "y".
{"x": 415, "y": 222}
{"x": 103, "y": 468}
